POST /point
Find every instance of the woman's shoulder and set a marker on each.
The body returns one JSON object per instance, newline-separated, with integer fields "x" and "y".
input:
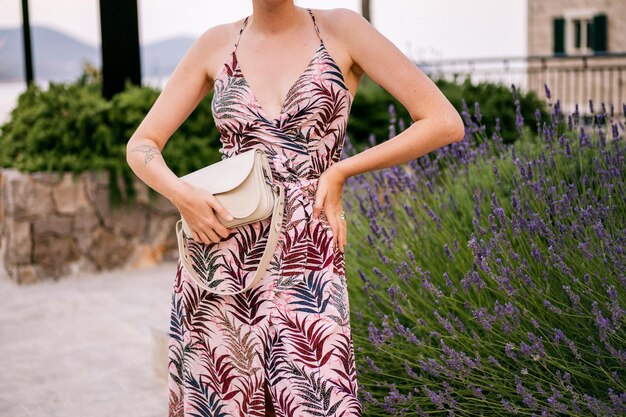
{"x": 222, "y": 33}
{"x": 217, "y": 42}
{"x": 340, "y": 23}
{"x": 338, "y": 18}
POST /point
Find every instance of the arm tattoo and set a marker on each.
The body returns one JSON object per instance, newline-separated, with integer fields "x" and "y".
{"x": 150, "y": 151}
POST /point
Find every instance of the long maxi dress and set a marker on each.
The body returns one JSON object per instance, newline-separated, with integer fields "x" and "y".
{"x": 291, "y": 330}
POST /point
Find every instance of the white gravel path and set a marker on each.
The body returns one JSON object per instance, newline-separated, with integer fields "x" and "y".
{"x": 92, "y": 345}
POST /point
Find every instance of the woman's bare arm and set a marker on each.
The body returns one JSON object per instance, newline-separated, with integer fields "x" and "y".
{"x": 437, "y": 123}
{"x": 188, "y": 84}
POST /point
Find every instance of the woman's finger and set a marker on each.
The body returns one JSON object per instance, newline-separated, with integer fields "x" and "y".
{"x": 334, "y": 223}
{"x": 339, "y": 229}
{"x": 222, "y": 230}
{"x": 345, "y": 233}
{"x": 213, "y": 237}
{"x": 215, "y": 204}
{"x": 219, "y": 228}
{"x": 320, "y": 195}
{"x": 342, "y": 233}
{"x": 199, "y": 236}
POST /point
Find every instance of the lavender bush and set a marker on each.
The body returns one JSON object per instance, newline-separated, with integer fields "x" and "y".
{"x": 488, "y": 279}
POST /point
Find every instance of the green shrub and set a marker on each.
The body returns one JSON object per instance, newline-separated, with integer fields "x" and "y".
{"x": 370, "y": 110}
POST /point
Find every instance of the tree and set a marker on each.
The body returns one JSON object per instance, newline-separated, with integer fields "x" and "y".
{"x": 365, "y": 9}
{"x": 120, "y": 45}
{"x": 28, "y": 51}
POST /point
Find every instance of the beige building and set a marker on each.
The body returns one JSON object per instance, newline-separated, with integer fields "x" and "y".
{"x": 578, "y": 47}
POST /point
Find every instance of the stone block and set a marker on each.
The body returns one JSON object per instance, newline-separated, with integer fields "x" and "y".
{"x": 108, "y": 250}
{"x": 96, "y": 187}
{"x": 86, "y": 220}
{"x": 50, "y": 178}
{"x": 171, "y": 255}
{"x": 161, "y": 242}
{"x": 26, "y": 198}
{"x": 163, "y": 206}
{"x": 2, "y": 198}
{"x": 84, "y": 239}
{"x": 146, "y": 255}
{"x": 142, "y": 191}
{"x": 53, "y": 224}
{"x": 102, "y": 203}
{"x": 131, "y": 221}
{"x": 171, "y": 241}
{"x": 28, "y": 274}
{"x": 54, "y": 252}
{"x": 161, "y": 229}
{"x": 19, "y": 242}
{"x": 69, "y": 194}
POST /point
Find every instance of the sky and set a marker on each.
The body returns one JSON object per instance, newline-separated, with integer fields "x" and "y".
{"x": 422, "y": 29}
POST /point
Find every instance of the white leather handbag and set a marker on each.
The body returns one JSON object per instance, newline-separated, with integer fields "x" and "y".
{"x": 243, "y": 184}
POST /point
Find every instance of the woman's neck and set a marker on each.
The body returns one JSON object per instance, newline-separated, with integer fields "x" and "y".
{"x": 272, "y": 17}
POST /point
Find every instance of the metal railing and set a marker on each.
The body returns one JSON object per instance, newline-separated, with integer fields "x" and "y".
{"x": 571, "y": 78}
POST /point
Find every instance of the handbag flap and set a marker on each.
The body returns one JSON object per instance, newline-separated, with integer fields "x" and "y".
{"x": 224, "y": 175}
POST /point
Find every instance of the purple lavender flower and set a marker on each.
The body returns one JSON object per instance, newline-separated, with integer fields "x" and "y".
{"x": 527, "y": 397}
{"x": 509, "y": 407}
{"x": 376, "y": 337}
{"x": 548, "y": 94}
{"x": 372, "y": 365}
{"x": 409, "y": 370}
{"x": 508, "y": 349}
{"x": 603, "y": 324}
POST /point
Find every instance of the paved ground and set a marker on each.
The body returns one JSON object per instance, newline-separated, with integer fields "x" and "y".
{"x": 85, "y": 346}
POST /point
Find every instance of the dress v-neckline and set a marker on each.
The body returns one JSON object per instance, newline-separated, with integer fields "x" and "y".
{"x": 255, "y": 98}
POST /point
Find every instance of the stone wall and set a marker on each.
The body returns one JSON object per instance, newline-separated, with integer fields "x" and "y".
{"x": 53, "y": 225}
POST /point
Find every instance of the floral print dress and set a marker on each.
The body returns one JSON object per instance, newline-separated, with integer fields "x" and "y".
{"x": 290, "y": 333}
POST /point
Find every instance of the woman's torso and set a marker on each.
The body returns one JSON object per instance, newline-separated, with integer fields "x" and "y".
{"x": 304, "y": 140}
{"x": 307, "y": 135}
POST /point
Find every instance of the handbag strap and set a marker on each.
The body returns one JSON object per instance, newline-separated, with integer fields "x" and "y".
{"x": 272, "y": 241}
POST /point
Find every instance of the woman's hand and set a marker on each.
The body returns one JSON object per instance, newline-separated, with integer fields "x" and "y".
{"x": 197, "y": 206}
{"x": 328, "y": 197}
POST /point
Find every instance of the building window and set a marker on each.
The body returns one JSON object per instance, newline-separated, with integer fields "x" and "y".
{"x": 589, "y": 30}
{"x": 579, "y": 33}
{"x": 583, "y": 28}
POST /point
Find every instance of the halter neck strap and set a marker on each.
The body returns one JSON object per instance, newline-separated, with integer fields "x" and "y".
{"x": 245, "y": 22}
{"x": 317, "y": 30}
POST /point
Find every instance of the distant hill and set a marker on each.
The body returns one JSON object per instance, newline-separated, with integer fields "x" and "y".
{"x": 60, "y": 57}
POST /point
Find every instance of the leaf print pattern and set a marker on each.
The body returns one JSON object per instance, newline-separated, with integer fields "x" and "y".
{"x": 291, "y": 331}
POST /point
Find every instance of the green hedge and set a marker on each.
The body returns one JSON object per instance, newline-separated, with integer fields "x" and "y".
{"x": 370, "y": 111}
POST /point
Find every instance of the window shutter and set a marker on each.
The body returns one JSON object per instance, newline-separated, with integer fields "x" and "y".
{"x": 577, "y": 33}
{"x": 558, "y": 25}
{"x": 599, "y": 31}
